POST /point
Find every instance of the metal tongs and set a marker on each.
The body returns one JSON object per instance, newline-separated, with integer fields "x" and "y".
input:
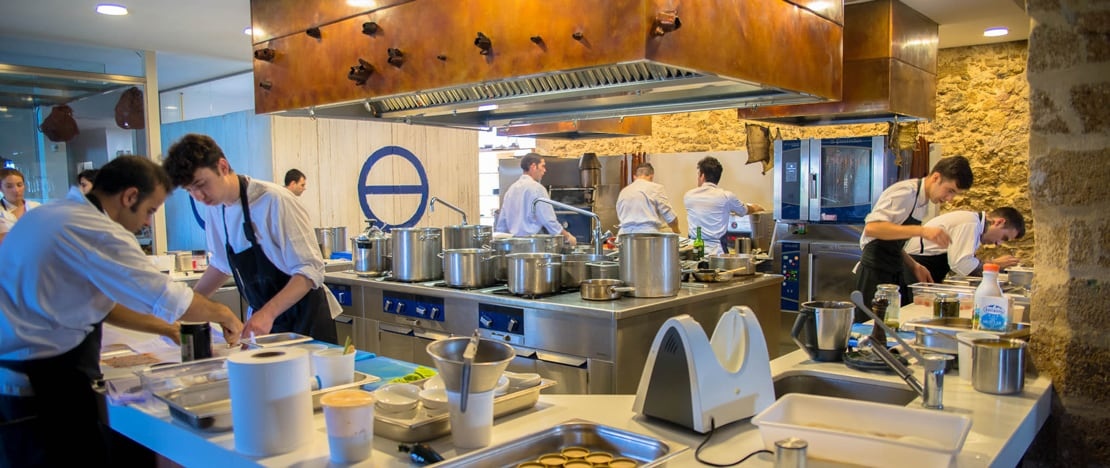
{"x": 468, "y": 361}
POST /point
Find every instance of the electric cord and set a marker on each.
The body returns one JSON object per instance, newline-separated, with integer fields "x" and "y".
{"x": 712, "y": 429}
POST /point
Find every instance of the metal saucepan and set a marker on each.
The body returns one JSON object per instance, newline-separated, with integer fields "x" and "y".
{"x": 602, "y": 289}
{"x": 711, "y": 275}
{"x": 733, "y": 262}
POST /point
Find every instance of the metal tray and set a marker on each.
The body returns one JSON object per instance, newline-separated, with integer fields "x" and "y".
{"x": 939, "y": 334}
{"x": 646, "y": 450}
{"x": 208, "y": 406}
{"x": 279, "y": 339}
{"x": 424, "y": 427}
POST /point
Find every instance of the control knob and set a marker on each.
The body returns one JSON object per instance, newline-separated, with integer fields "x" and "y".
{"x": 485, "y": 321}
{"x": 512, "y": 324}
{"x": 387, "y": 304}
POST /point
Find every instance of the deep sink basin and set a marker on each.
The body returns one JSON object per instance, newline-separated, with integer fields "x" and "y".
{"x": 825, "y": 385}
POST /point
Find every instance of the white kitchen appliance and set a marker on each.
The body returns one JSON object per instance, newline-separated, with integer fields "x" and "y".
{"x": 703, "y": 383}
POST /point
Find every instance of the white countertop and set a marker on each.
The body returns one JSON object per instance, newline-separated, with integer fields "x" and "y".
{"x": 1002, "y": 426}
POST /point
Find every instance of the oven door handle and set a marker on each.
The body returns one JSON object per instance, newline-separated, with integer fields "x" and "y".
{"x": 565, "y": 360}
{"x": 430, "y": 335}
{"x": 809, "y": 277}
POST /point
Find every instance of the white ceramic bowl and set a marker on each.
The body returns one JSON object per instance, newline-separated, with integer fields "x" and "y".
{"x": 397, "y": 398}
{"x": 434, "y": 382}
{"x": 434, "y": 401}
{"x": 502, "y": 386}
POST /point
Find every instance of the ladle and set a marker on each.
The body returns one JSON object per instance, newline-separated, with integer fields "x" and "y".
{"x": 468, "y": 361}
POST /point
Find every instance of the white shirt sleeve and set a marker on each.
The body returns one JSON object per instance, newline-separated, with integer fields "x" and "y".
{"x": 663, "y": 204}
{"x": 735, "y": 205}
{"x": 544, "y": 213}
{"x": 121, "y": 271}
{"x": 288, "y": 225}
{"x": 961, "y": 252}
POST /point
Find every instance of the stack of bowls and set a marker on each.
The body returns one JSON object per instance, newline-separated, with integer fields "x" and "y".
{"x": 397, "y": 401}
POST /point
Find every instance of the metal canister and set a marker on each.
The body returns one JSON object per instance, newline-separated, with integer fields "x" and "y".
{"x": 946, "y": 305}
{"x": 790, "y": 453}
{"x": 196, "y": 341}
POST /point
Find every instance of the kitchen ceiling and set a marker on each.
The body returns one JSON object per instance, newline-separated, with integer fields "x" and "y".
{"x": 199, "y": 40}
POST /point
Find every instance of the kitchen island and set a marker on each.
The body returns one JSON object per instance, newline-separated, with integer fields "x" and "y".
{"x": 589, "y": 347}
{"x": 1002, "y": 426}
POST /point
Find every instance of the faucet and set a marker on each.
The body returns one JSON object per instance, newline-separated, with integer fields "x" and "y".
{"x": 432, "y": 206}
{"x": 599, "y": 246}
{"x": 933, "y": 390}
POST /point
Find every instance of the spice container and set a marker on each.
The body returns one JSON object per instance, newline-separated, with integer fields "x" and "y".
{"x": 894, "y": 301}
{"x": 946, "y": 305}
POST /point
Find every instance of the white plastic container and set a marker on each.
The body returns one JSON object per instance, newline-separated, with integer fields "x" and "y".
{"x": 992, "y": 309}
{"x": 875, "y": 434}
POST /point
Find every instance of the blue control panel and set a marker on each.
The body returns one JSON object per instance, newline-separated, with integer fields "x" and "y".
{"x": 500, "y": 322}
{"x": 342, "y": 293}
{"x": 791, "y": 287}
{"x": 412, "y": 305}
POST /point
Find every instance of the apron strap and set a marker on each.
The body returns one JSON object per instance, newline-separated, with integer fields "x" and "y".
{"x": 248, "y": 226}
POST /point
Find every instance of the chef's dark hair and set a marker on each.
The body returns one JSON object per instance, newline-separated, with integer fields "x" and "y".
{"x": 645, "y": 170}
{"x": 125, "y": 172}
{"x": 294, "y": 175}
{"x": 955, "y": 168}
{"x": 192, "y": 152}
{"x": 711, "y": 168}
{"x": 8, "y": 171}
{"x": 529, "y": 159}
{"x": 87, "y": 174}
{"x": 1013, "y": 217}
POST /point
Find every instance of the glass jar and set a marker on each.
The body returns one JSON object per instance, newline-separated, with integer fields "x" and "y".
{"x": 894, "y": 300}
{"x": 946, "y": 305}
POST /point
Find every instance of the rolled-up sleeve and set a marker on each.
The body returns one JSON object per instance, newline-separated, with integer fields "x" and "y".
{"x": 663, "y": 205}
{"x": 295, "y": 240}
{"x": 125, "y": 275}
{"x": 543, "y": 213}
{"x": 736, "y": 206}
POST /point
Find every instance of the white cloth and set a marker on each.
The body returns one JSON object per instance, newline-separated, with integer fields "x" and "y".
{"x": 965, "y": 228}
{"x": 708, "y": 206}
{"x": 895, "y": 205}
{"x": 7, "y": 216}
{"x": 282, "y": 228}
{"x": 65, "y": 265}
{"x": 517, "y": 215}
{"x": 643, "y": 206}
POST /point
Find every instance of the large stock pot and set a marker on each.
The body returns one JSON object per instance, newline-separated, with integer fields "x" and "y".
{"x": 371, "y": 255}
{"x": 416, "y": 254}
{"x": 534, "y": 274}
{"x": 649, "y": 263}
{"x": 468, "y": 268}
{"x": 466, "y": 236}
{"x": 511, "y": 245}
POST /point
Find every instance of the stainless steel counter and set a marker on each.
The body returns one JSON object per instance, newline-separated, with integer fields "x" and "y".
{"x": 587, "y": 346}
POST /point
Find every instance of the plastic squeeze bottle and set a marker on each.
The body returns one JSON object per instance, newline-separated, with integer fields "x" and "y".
{"x": 992, "y": 309}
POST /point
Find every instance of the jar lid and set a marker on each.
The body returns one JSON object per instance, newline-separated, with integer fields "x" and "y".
{"x": 941, "y": 295}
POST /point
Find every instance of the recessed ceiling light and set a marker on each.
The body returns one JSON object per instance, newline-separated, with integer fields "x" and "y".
{"x": 996, "y": 32}
{"x": 111, "y": 9}
{"x": 248, "y": 31}
{"x": 171, "y": 107}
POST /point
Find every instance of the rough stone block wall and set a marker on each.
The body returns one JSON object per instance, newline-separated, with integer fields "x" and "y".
{"x": 982, "y": 113}
{"x": 1069, "y": 182}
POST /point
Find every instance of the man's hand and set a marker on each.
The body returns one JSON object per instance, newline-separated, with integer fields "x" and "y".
{"x": 259, "y": 324}
{"x": 232, "y": 327}
{"x": 922, "y": 274}
{"x": 570, "y": 238}
{"x": 172, "y": 331}
{"x": 936, "y": 235}
{"x": 1006, "y": 261}
{"x": 754, "y": 208}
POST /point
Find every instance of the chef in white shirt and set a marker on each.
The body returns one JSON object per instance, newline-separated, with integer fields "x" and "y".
{"x": 643, "y": 206}
{"x": 12, "y": 204}
{"x": 258, "y": 232}
{"x": 68, "y": 266}
{"x": 518, "y": 217}
{"x": 708, "y": 206}
{"x": 968, "y": 230}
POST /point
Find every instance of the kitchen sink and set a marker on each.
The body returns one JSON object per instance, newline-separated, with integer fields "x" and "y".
{"x": 826, "y": 385}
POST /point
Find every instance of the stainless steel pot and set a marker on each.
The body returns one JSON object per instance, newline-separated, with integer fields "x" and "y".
{"x": 371, "y": 255}
{"x": 606, "y": 269}
{"x": 330, "y": 239}
{"x": 534, "y": 274}
{"x": 553, "y": 243}
{"x": 575, "y": 269}
{"x": 511, "y": 245}
{"x": 602, "y": 289}
{"x": 649, "y": 262}
{"x": 416, "y": 254}
{"x": 466, "y": 236}
{"x": 468, "y": 268}
{"x": 744, "y": 262}
{"x": 1020, "y": 276}
{"x": 998, "y": 365}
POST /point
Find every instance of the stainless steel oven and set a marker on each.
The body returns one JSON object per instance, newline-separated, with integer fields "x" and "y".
{"x": 816, "y": 261}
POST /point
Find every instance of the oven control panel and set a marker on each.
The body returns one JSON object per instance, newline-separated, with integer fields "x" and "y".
{"x": 791, "y": 270}
{"x": 413, "y": 305}
{"x": 501, "y": 323}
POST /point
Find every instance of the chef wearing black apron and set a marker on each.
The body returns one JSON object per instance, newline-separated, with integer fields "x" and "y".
{"x": 882, "y": 261}
{"x": 938, "y": 265}
{"x": 259, "y": 281}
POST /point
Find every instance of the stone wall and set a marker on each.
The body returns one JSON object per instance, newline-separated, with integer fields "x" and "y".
{"x": 982, "y": 113}
{"x": 1069, "y": 165}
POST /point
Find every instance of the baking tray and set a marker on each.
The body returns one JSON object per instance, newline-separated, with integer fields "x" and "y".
{"x": 424, "y": 427}
{"x": 939, "y": 334}
{"x": 646, "y": 450}
{"x": 278, "y": 339}
{"x": 208, "y": 406}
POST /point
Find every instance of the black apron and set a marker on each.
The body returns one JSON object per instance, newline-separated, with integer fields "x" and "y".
{"x": 881, "y": 263}
{"x": 936, "y": 264}
{"x": 259, "y": 281}
{"x": 60, "y": 424}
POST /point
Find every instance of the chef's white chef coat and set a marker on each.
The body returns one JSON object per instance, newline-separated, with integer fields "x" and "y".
{"x": 895, "y": 205}
{"x": 64, "y": 266}
{"x": 282, "y": 228}
{"x": 965, "y": 228}
{"x": 708, "y": 206}
{"x": 517, "y": 215}
{"x": 643, "y": 206}
{"x": 7, "y": 215}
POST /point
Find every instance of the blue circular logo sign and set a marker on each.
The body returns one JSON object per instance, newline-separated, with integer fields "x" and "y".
{"x": 365, "y": 191}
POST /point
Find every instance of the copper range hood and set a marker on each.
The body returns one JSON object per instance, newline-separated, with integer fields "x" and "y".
{"x": 503, "y": 64}
{"x": 890, "y": 65}
{"x": 582, "y": 129}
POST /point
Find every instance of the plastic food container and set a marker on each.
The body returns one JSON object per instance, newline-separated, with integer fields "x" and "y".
{"x": 850, "y": 431}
